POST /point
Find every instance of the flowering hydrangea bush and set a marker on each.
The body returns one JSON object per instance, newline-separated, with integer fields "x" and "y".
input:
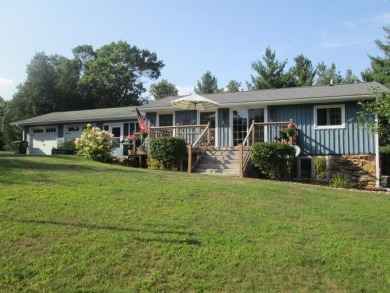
{"x": 95, "y": 144}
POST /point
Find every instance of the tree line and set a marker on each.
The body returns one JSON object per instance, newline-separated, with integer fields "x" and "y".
{"x": 116, "y": 75}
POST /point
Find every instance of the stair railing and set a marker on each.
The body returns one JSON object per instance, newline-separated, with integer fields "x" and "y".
{"x": 202, "y": 143}
{"x": 244, "y": 153}
{"x": 271, "y": 129}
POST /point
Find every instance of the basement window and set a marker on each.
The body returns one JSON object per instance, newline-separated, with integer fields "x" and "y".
{"x": 305, "y": 167}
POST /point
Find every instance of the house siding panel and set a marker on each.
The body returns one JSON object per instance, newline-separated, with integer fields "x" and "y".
{"x": 60, "y": 130}
{"x": 348, "y": 141}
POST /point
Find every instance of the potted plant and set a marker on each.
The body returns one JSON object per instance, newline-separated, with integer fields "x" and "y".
{"x": 130, "y": 140}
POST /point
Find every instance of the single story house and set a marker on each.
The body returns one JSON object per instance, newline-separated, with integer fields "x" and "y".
{"x": 324, "y": 115}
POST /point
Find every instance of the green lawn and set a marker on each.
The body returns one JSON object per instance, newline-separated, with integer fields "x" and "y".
{"x": 70, "y": 225}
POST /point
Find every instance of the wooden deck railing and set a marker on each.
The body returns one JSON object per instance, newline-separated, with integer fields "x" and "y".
{"x": 197, "y": 137}
{"x": 190, "y": 133}
{"x": 200, "y": 146}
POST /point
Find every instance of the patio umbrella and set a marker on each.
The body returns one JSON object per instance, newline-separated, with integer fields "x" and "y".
{"x": 194, "y": 102}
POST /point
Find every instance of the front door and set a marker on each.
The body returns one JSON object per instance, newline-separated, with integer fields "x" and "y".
{"x": 209, "y": 117}
{"x": 242, "y": 120}
{"x": 116, "y": 130}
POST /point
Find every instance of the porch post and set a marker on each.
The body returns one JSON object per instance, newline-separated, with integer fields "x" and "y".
{"x": 253, "y": 133}
{"x": 177, "y": 130}
{"x": 208, "y": 133}
{"x": 189, "y": 150}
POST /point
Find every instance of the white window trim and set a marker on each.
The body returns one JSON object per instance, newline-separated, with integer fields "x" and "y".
{"x": 341, "y": 126}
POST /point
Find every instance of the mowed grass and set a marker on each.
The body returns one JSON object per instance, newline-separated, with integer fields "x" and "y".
{"x": 71, "y": 225}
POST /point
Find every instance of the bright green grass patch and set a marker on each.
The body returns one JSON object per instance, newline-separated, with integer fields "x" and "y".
{"x": 71, "y": 225}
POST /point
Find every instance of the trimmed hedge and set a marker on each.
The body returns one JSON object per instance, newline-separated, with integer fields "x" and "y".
{"x": 167, "y": 152}
{"x": 273, "y": 159}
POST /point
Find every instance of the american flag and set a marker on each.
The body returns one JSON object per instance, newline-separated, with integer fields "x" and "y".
{"x": 144, "y": 124}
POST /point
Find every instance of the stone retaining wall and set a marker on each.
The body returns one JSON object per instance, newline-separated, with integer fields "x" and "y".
{"x": 357, "y": 168}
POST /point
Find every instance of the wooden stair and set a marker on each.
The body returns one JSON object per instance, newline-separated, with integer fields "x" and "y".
{"x": 220, "y": 161}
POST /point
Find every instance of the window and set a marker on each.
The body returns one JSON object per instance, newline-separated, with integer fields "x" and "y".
{"x": 51, "y": 129}
{"x": 331, "y": 116}
{"x": 305, "y": 168}
{"x": 206, "y": 117}
{"x": 166, "y": 120}
{"x": 39, "y": 130}
{"x": 73, "y": 128}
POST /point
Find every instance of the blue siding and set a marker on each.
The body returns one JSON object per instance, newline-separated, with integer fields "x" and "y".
{"x": 351, "y": 140}
{"x": 60, "y": 130}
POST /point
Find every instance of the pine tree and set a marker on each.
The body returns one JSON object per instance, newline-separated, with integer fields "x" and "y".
{"x": 380, "y": 66}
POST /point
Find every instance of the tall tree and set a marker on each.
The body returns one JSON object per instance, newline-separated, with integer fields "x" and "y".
{"x": 115, "y": 74}
{"x": 326, "y": 76}
{"x": 270, "y": 74}
{"x": 380, "y": 66}
{"x": 162, "y": 90}
{"x": 381, "y": 107}
{"x": 380, "y": 72}
{"x": 51, "y": 85}
{"x": 2, "y": 142}
{"x": 233, "y": 86}
{"x": 350, "y": 77}
{"x": 207, "y": 85}
{"x": 301, "y": 73}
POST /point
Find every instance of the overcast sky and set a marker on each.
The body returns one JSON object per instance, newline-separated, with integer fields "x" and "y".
{"x": 192, "y": 37}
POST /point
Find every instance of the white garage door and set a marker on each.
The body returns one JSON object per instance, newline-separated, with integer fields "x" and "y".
{"x": 43, "y": 140}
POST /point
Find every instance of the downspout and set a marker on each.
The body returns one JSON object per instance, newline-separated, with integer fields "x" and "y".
{"x": 377, "y": 160}
{"x": 377, "y": 157}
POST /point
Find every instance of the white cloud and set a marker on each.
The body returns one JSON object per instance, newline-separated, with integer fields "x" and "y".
{"x": 185, "y": 90}
{"x": 7, "y": 88}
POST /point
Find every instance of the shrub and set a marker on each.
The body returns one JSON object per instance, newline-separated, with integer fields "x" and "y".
{"x": 272, "y": 159}
{"x": 67, "y": 145}
{"x": 340, "y": 180}
{"x": 152, "y": 163}
{"x": 320, "y": 168}
{"x": 167, "y": 152}
{"x": 95, "y": 144}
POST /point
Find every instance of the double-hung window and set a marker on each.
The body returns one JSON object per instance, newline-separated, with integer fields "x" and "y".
{"x": 165, "y": 120}
{"x": 329, "y": 116}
